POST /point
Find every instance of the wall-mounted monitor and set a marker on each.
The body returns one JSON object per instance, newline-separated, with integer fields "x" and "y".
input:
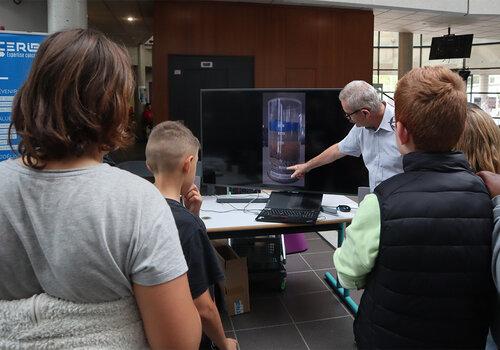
{"x": 451, "y": 46}
{"x": 250, "y": 137}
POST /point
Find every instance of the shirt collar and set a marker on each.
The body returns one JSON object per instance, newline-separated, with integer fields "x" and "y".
{"x": 388, "y": 114}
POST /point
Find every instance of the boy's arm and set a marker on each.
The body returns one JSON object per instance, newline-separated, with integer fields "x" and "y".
{"x": 492, "y": 182}
{"x": 211, "y": 322}
{"x": 356, "y": 258}
{"x": 496, "y": 242}
{"x": 204, "y": 271}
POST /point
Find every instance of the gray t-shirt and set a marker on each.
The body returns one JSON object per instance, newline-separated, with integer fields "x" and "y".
{"x": 83, "y": 235}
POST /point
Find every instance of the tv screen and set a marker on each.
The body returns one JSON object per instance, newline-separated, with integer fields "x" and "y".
{"x": 250, "y": 136}
{"x": 451, "y": 46}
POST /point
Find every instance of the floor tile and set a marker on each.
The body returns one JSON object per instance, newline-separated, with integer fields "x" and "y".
{"x": 263, "y": 293}
{"x": 303, "y": 282}
{"x": 320, "y": 260}
{"x": 311, "y": 235}
{"x": 318, "y": 245}
{"x": 272, "y": 338}
{"x": 328, "y": 334}
{"x": 314, "y": 306}
{"x": 330, "y": 236}
{"x": 263, "y": 312}
{"x": 295, "y": 263}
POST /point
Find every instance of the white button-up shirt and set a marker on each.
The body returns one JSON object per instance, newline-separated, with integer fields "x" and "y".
{"x": 378, "y": 147}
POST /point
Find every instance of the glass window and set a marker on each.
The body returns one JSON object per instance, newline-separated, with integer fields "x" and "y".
{"x": 388, "y": 79}
{"x": 416, "y": 58}
{"x": 375, "y": 38}
{"x": 389, "y": 39}
{"x": 375, "y": 59}
{"x": 483, "y": 41}
{"x": 388, "y": 58}
{"x": 488, "y": 102}
{"x": 486, "y": 81}
{"x": 426, "y": 40}
{"x": 484, "y": 56}
{"x": 375, "y": 77}
{"x": 416, "y": 39}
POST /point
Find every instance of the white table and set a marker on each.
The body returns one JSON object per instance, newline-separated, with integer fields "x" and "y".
{"x": 224, "y": 220}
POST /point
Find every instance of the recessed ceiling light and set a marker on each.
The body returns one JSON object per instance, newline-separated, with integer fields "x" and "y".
{"x": 130, "y": 19}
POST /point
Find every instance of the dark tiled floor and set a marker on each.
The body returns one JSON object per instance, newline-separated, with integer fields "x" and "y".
{"x": 335, "y": 333}
{"x": 307, "y": 315}
{"x": 317, "y": 245}
{"x": 319, "y": 260}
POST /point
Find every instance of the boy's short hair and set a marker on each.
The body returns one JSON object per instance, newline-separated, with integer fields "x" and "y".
{"x": 432, "y": 105}
{"x": 168, "y": 143}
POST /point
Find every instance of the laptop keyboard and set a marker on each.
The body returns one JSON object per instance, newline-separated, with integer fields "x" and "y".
{"x": 288, "y": 215}
{"x": 299, "y": 213}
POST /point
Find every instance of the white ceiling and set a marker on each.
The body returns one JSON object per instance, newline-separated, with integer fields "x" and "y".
{"x": 436, "y": 24}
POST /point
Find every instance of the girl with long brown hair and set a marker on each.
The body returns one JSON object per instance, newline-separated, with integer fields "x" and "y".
{"x": 480, "y": 141}
{"x": 77, "y": 230}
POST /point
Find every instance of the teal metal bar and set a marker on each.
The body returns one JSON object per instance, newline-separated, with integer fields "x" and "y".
{"x": 337, "y": 288}
{"x": 341, "y": 292}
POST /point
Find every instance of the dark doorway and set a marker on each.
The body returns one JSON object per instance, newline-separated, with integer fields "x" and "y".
{"x": 187, "y": 75}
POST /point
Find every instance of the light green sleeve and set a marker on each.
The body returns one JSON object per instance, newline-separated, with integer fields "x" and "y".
{"x": 356, "y": 258}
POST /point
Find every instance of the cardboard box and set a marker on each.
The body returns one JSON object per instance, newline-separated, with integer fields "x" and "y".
{"x": 235, "y": 286}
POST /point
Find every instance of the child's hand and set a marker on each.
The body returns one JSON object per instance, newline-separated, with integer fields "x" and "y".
{"x": 492, "y": 181}
{"x": 231, "y": 344}
{"x": 192, "y": 200}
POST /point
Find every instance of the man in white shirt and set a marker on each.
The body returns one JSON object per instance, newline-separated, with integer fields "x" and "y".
{"x": 372, "y": 136}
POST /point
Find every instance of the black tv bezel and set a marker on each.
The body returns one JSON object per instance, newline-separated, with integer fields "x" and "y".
{"x": 292, "y": 189}
{"x": 453, "y": 36}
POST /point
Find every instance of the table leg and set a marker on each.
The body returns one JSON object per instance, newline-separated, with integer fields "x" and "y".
{"x": 336, "y": 286}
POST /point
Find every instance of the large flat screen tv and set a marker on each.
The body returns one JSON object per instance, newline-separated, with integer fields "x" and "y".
{"x": 250, "y": 136}
{"x": 451, "y": 46}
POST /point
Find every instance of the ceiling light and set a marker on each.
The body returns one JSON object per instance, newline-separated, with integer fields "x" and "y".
{"x": 130, "y": 19}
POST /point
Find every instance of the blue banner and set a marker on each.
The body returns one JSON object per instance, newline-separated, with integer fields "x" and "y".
{"x": 17, "y": 51}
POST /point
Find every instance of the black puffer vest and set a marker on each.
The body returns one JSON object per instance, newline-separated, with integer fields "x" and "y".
{"x": 431, "y": 286}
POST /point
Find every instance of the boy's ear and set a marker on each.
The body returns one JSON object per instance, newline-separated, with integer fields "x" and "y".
{"x": 149, "y": 168}
{"x": 403, "y": 134}
{"x": 186, "y": 166}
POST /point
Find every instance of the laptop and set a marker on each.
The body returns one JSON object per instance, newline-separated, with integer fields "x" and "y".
{"x": 291, "y": 208}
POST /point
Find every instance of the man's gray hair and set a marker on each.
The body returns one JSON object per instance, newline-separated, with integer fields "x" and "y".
{"x": 359, "y": 94}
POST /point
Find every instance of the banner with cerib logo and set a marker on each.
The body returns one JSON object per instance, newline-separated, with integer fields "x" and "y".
{"x": 17, "y": 51}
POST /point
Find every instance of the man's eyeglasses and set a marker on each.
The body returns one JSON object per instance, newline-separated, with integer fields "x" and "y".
{"x": 392, "y": 123}
{"x": 349, "y": 115}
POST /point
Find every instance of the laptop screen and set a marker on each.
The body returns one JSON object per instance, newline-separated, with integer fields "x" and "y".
{"x": 289, "y": 200}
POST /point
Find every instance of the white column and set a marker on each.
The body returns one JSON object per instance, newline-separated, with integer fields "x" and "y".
{"x": 405, "y": 54}
{"x": 484, "y": 82}
{"x": 141, "y": 72}
{"x": 66, "y": 14}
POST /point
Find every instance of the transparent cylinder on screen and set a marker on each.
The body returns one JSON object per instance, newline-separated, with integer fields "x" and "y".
{"x": 285, "y": 118}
